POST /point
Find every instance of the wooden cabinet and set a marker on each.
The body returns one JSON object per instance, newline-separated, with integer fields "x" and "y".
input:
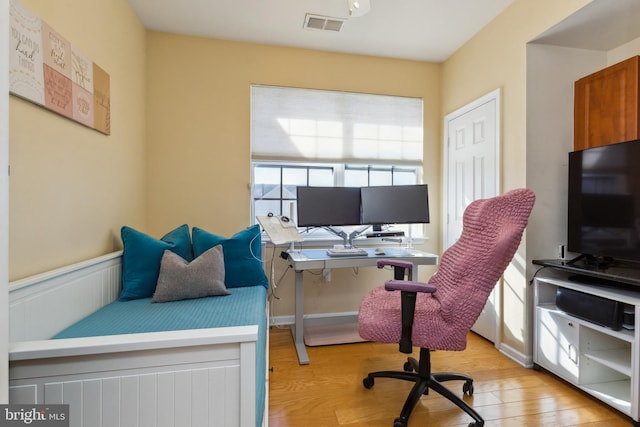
{"x": 606, "y": 106}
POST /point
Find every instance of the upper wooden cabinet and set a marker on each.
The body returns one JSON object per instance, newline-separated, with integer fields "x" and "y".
{"x": 606, "y": 106}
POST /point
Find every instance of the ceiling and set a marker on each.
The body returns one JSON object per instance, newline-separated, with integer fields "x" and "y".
{"x": 615, "y": 21}
{"x": 424, "y": 30}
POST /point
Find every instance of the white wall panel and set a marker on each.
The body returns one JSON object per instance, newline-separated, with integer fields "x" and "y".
{"x": 200, "y": 397}
{"x": 183, "y": 396}
{"x": 110, "y": 415}
{"x": 23, "y": 394}
{"x": 92, "y": 402}
{"x": 148, "y": 410}
{"x": 128, "y": 401}
{"x": 43, "y": 305}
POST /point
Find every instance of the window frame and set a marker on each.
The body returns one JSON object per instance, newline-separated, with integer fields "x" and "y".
{"x": 339, "y": 171}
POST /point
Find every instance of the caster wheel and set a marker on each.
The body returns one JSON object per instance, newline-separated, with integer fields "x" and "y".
{"x": 408, "y": 367}
{"x": 467, "y": 389}
{"x": 367, "y": 382}
{"x": 399, "y": 422}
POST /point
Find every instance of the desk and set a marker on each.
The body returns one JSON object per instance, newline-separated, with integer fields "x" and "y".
{"x": 312, "y": 259}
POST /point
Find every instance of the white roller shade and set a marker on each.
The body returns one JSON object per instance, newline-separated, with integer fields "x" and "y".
{"x": 312, "y": 125}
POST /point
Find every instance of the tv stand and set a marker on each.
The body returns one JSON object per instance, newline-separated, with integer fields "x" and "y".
{"x": 600, "y": 263}
{"x": 615, "y": 270}
{"x": 591, "y": 280}
{"x": 599, "y": 360}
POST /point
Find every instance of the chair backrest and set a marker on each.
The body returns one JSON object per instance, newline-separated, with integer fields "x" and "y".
{"x": 470, "y": 268}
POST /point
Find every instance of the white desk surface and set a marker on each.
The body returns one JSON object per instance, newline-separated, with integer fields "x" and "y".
{"x": 307, "y": 259}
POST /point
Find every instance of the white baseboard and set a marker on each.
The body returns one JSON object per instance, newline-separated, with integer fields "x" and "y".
{"x": 316, "y": 319}
{"x": 352, "y": 316}
{"x": 517, "y": 356}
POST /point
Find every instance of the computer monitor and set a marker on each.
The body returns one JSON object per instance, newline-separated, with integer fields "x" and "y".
{"x": 328, "y": 206}
{"x": 395, "y": 204}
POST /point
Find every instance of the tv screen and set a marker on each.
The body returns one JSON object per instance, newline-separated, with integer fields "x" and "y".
{"x": 328, "y": 206}
{"x": 604, "y": 201}
{"x": 395, "y": 204}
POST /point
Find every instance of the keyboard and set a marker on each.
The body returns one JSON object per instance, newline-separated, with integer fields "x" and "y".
{"x": 346, "y": 252}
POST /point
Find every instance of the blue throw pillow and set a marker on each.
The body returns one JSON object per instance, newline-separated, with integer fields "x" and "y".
{"x": 141, "y": 259}
{"x": 242, "y": 263}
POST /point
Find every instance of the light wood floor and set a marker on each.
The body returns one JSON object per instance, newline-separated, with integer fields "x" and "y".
{"x": 329, "y": 392}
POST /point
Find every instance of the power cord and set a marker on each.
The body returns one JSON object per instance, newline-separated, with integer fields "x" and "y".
{"x": 535, "y": 274}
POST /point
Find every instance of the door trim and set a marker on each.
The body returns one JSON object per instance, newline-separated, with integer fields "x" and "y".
{"x": 495, "y": 95}
{"x": 4, "y": 204}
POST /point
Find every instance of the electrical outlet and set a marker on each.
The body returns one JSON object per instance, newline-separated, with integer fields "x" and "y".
{"x": 562, "y": 251}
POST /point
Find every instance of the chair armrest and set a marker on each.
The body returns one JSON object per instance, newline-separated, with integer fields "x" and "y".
{"x": 409, "y": 286}
{"x": 408, "y": 296}
{"x": 395, "y": 263}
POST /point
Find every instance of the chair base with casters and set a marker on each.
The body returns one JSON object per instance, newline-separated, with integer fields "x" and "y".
{"x": 419, "y": 372}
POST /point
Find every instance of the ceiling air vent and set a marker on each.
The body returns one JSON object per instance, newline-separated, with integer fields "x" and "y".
{"x": 318, "y": 22}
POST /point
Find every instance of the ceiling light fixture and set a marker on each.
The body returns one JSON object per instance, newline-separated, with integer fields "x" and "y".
{"x": 359, "y": 7}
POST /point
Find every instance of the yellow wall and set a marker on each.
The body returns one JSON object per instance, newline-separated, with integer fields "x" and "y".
{"x": 496, "y": 57}
{"x": 199, "y": 118}
{"x": 198, "y": 103}
{"x": 71, "y": 188}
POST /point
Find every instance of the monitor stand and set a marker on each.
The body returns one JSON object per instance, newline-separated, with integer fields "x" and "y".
{"x": 347, "y": 238}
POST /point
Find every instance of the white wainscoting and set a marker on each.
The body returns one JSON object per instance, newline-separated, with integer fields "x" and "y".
{"x": 40, "y": 306}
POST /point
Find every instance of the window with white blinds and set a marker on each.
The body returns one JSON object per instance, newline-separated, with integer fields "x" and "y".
{"x": 310, "y": 125}
{"x": 309, "y": 137}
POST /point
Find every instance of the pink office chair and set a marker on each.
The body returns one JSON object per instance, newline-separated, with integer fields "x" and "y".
{"x": 438, "y": 315}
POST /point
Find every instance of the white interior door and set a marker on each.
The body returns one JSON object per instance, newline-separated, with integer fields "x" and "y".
{"x": 4, "y": 202}
{"x": 471, "y": 171}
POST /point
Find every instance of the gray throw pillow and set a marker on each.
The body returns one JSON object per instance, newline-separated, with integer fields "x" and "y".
{"x": 180, "y": 279}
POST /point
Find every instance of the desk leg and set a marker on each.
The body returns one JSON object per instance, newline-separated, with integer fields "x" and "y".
{"x": 298, "y": 326}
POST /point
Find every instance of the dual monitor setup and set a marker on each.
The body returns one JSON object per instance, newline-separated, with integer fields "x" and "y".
{"x": 375, "y": 206}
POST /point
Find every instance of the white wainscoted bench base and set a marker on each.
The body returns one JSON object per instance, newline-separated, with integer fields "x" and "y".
{"x": 195, "y": 377}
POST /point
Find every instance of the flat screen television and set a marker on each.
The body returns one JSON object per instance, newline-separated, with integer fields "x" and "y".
{"x": 603, "y": 221}
{"x": 395, "y": 204}
{"x": 328, "y": 206}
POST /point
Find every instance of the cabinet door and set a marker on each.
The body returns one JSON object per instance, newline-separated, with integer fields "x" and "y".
{"x": 606, "y": 106}
{"x": 557, "y": 344}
